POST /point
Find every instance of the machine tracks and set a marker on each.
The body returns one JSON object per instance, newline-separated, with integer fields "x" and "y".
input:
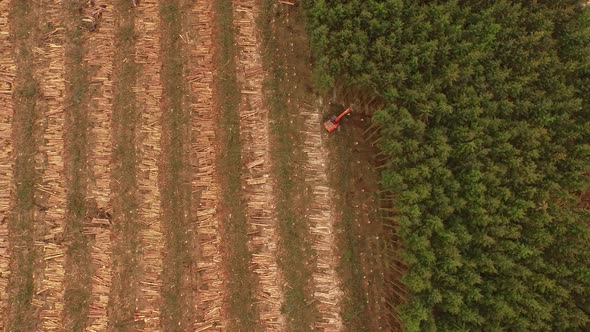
{"x": 209, "y": 290}
{"x": 257, "y": 184}
{"x": 148, "y": 93}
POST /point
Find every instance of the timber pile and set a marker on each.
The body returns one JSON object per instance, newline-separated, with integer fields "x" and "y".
{"x": 7, "y": 74}
{"x": 101, "y": 256}
{"x": 327, "y": 291}
{"x": 254, "y": 129}
{"x": 210, "y": 287}
{"x": 100, "y": 58}
{"x": 50, "y": 296}
{"x": 149, "y": 93}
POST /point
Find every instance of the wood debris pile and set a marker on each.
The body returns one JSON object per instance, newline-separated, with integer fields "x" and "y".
{"x": 50, "y": 296}
{"x": 7, "y": 74}
{"x": 149, "y": 93}
{"x": 100, "y": 59}
{"x": 102, "y": 260}
{"x": 210, "y": 286}
{"x": 254, "y": 128}
{"x": 327, "y": 291}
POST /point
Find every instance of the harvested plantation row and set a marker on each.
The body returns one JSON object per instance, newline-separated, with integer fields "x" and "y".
{"x": 295, "y": 252}
{"x": 99, "y": 58}
{"x": 301, "y": 141}
{"x": 347, "y": 282}
{"x": 49, "y": 295}
{"x": 148, "y": 91}
{"x": 175, "y": 178}
{"x": 258, "y": 187}
{"x": 210, "y": 288}
{"x": 326, "y": 283}
{"x": 240, "y": 284}
{"x": 7, "y": 81}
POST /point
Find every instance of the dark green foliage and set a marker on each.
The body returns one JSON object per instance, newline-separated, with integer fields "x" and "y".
{"x": 487, "y": 128}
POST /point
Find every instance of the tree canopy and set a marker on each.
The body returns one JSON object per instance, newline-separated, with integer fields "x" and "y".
{"x": 487, "y": 129}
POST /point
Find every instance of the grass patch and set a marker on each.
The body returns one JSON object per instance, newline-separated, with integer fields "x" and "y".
{"x": 78, "y": 268}
{"x": 240, "y": 285}
{"x": 25, "y": 27}
{"x": 295, "y": 249}
{"x": 176, "y": 188}
{"x": 127, "y": 244}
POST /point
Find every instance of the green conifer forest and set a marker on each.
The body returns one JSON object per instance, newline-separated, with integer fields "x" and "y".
{"x": 486, "y": 125}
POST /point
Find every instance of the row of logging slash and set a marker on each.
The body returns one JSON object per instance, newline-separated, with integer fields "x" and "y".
{"x": 209, "y": 290}
{"x": 254, "y": 130}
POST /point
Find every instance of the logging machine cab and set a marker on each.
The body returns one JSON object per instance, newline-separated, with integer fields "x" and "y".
{"x": 334, "y": 121}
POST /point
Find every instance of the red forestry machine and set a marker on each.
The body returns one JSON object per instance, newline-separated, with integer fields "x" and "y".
{"x": 334, "y": 121}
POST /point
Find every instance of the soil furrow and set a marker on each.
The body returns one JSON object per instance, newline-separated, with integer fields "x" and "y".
{"x": 210, "y": 284}
{"x": 258, "y": 187}
{"x": 49, "y": 295}
{"x": 99, "y": 58}
{"x": 7, "y": 74}
{"x": 326, "y": 284}
{"x": 148, "y": 93}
